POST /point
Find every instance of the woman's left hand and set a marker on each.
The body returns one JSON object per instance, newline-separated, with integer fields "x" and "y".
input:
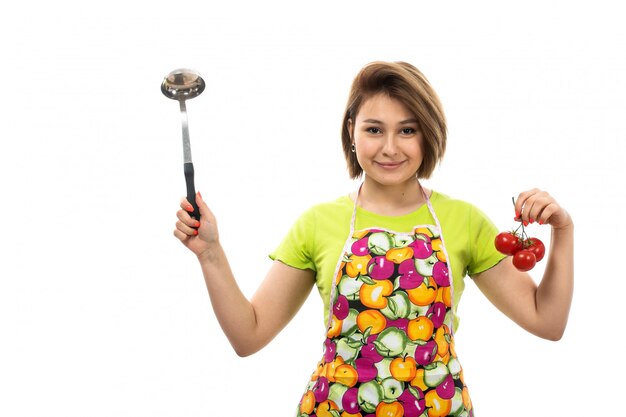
{"x": 541, "y": 309}
{"x": 538, "y": 206}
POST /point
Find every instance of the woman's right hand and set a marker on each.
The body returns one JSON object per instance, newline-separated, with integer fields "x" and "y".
{"x": 248, "y": 324}
{"x": 201, "y": 237}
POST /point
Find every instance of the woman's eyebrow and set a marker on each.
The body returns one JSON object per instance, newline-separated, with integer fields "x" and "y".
{"x": 403, "y": 122}
{"x": 373, "y": 121}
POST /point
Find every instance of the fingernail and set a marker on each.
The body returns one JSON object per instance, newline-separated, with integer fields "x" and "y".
{"x": 200, "y": 195}
{"x": 532, "y": 221}
{"x": 516, "y": 214}
{"x": 197, "y": 224}
{"x": 526, "y": 223}
{"x": 540, "y": 222}
{"x": 195, "y": 232}
{"x": 189, "y": 208}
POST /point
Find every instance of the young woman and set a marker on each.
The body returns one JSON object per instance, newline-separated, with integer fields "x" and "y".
{"x": 389, "y": 260}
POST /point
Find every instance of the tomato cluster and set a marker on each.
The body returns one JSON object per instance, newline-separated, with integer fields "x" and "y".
{"x": 526, "y": 251}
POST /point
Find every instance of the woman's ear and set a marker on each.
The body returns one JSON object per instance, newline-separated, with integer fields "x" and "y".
{"x": 351, "y": 130}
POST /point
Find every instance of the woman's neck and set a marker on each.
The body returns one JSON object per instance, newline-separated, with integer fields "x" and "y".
{"x": 390, "y": 200}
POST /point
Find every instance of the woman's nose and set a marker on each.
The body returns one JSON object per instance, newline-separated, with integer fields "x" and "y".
{"x": 390, "y": 146}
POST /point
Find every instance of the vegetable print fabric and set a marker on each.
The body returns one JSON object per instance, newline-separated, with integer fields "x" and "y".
{"x": 389, "y": 350}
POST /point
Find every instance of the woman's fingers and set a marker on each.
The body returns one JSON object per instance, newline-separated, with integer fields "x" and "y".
{"x": 538, "y": 206}
{"x": 183, "y": 237}
{"x": 189, "y": 228}
{"x": 523, "y": 205}
{"x": 186, "y": 219}
{"x": 185, "y": 205}
{"x": 535, "y": 205}
{"x": 186, "y": 229}
{"x": 547, "y": 212}
{"x": 205, "y": 211}
{"x": 186, "y": 226}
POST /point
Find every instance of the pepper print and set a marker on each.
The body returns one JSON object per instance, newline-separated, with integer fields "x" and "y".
{"x": 389, "y": 351}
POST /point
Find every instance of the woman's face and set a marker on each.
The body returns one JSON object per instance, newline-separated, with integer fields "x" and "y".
{"x": 388, "y": 141}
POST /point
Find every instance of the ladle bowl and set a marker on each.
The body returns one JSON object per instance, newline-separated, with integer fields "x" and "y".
{"x": 182, "y": 84}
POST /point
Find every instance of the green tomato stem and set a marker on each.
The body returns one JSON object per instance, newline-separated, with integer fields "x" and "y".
{"x": 524, "y": 237}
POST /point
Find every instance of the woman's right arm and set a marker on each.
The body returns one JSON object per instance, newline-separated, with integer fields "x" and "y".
{"x": 248, "y": 324}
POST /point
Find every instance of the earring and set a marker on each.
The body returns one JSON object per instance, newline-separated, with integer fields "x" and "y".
{"x": 353, "y": 149}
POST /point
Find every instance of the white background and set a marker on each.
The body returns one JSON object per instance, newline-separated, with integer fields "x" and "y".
{"x": 104, "y": 313}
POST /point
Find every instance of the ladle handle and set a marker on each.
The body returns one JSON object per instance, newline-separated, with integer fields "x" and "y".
{"x": 191, "y": 189}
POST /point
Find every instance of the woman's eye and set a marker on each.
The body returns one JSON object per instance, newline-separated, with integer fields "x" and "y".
{"x": 374, "y": 130}
{"x": 408, "y": 131}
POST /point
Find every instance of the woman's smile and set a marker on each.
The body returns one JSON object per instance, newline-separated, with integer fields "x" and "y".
{"x": 389, "y": 165}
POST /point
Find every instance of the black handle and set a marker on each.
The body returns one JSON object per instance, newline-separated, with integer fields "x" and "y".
{"x": 191, "y": 190}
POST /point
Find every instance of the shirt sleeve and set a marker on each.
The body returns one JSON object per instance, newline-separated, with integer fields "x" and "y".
{"x": 295, "y": 248}
{"x": 483, "y": 232}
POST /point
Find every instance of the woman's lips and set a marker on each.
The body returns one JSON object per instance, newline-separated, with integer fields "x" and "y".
{"x": 389, "y": 165}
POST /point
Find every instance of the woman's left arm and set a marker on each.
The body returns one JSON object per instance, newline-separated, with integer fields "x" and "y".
{"x": 541, "y": 309}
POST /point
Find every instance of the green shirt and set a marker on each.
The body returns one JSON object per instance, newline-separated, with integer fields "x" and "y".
{"x": 317, "y": 238}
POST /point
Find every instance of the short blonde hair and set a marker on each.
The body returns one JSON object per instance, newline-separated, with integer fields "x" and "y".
{"x": 405, "y": 83}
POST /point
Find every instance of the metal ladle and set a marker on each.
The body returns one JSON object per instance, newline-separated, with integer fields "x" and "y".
{"x": 184, "y": 84}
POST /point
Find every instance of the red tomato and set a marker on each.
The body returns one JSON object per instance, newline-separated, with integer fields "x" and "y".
{"x": 537, "y": 247}
{"x": 524, "y": 260}
{"x": 508, "y": 243}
